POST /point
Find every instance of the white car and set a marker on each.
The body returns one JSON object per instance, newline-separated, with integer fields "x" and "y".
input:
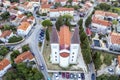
{"x": 79, "y": 77}
{"x": 56, "y": 76}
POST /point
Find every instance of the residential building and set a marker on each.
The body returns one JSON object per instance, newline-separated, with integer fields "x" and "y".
{"x": 45, "y": 8}
{"x": 61, "y": 11}
{"x": 101, "y": 26}
{"x": 65, "y": 46}
{"x": 4, "y": 66}
{"x": 114, "y": 41}
{"x": 24, "y": 28}
{"x": 62, "y": 2}
{"x": 74, "y": 2}
{"x": 24, "y": 57}
{"x": 108, "y": 15}
{"x": 6, "y": 35}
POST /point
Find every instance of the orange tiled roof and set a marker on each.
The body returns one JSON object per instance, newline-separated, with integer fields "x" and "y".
{"x": 111, "y": 14}
{"x": 20, "y": 15}
{"x": 4, "y": 63}
{"x": 45, "y": 6}
{"x": 23, "y": 56}
{"x": 61, "y": 9}
{"x": 75, "y": 0}
{"x": 101, "y": 22}
{"x": 6, "y": 33}
{"x": 99, "y": 12}
{"x": 64, "y": 54}
{"x": 24, "y": 25}
{"x": 65, "y": 35}
{"x": 115, "y": 38}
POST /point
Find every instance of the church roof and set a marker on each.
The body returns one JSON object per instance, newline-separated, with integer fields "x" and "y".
{"x": 75, "y": 36}
{"x": 54, "y": 36}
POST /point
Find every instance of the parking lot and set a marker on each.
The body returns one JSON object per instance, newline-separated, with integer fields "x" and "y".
{"x": 68, "y": 76}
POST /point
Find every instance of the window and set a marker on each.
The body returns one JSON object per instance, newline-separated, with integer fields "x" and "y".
{"x": 73, "y": 53}
{"x": 55, "y": 56}
{"x": 72, "y": 60}
{"x": 55, "y": 52}
{"x": 72, "y": 56}
{"x": 55, "y": 59}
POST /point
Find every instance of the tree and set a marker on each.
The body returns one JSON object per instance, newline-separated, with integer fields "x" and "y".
{"x": 80, "y": 22}
{"x": 76, "y": 7}
{"x": 14, "y": 54}
{"x": 104, "y": 6}
{"x": 59, "y": 23}
{"x": 15, "y": 39}
{"x": 25, "y": 48}
{"x": 5, "y": 15}
{"x": 47, "y": 35}
{"x": 97, "y": 61}
{"x": 3, "y": 51}
{"x": 70, "y": 1}
{"x": 7, "y": 27}
{"x": 14, "y": 1}
{"x": 114, "y": 22}
{"x": 88, "y": 21}
{"x": 47, "y": 23}
{"x": 57, "y": 4}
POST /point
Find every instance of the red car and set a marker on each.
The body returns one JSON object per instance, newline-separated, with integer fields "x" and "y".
{"x": 63, "y": 75}
{"x": 67, "y": 75}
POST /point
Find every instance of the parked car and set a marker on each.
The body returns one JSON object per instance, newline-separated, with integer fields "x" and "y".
{"x": 79, "y": 77}
{"x": 82, "y": 76}
{"x": 41, "y": 67}
{"x": 48, "y": 79}
{"x": 110, "y": 70}
{"x": 56, "y": 76}
{"x": 63, "y": 75}
{"x": 75, "y": 76}
{"x": 67, "y": 75}
{"x": 93, "y": 76}
{"x": 71, "y": 75}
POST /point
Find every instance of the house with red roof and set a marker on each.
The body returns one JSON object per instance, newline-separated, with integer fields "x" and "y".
{"x": 101, "y": 26}
{"x": 6, "y": 35}
{"x": 23, "y": 57}
{"x": 4, "y": 66}
{"x": 65, "y": 46}
{"x": 61, "y": 11}
{"x": 114, "y": 41}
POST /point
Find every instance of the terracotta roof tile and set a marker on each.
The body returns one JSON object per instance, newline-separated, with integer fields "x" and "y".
{"x": 20, "y": 15}
{"x": 23, "y": 56}
{"x": 24, "y": 26}
{"x": 115, "y": 38}
{"x": 6, "y": 33}
{"x": 65, "y": 35}
{"x": 101, "y": 22}
{"x": 45, "y": 6}
{"x": 115, "y": 15}
{"x": 4, "y": 63}
{"x": 99, "y": 12}
{"x": 61, "y": 9}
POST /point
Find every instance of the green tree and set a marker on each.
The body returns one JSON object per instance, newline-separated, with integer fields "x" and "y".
{"x": 15, "y": 39}
{"x": 5, "y": 15}
{"x": 3, "y": 51}
{"x": 57, "y": 4}
{"x": 47, "y": 35}
{"x": 80, "y": 22}
{"x": 97, "y": 61}
{"x": 25, "y": 48}
{"x": 88, "y": 21}
{"x": 47, "y": 23}
{"x": 7, "y": 27}
{"x": 14, "y": 54}
{"x": 76, "y": 7}
{"x": 59, "y": 23}
{"x": 104, "y": 6}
